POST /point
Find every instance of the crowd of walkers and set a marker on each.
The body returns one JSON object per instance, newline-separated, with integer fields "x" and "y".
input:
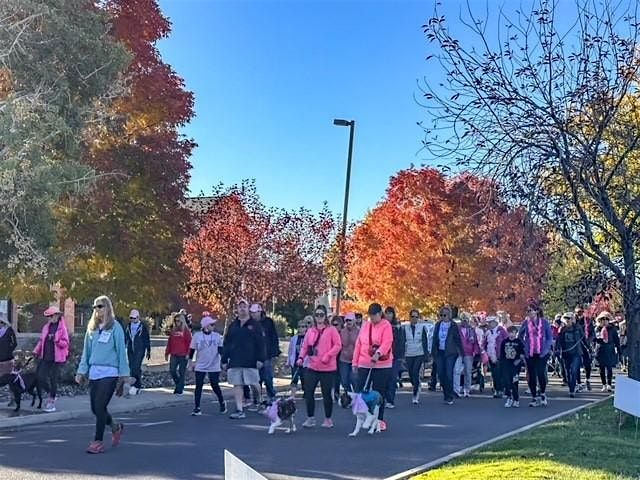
{"x": 339, "y": 353}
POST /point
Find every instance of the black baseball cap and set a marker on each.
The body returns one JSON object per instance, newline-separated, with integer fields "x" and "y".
{"x": 374, "y": 309}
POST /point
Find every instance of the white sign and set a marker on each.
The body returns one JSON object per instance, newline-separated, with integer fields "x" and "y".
{"x": 236, "y": 469}
{"x": 627, "y": 396}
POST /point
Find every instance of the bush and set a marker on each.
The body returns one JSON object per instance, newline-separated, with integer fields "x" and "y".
{"x": 282, "y": 327}
{"x": 167, "y": 325}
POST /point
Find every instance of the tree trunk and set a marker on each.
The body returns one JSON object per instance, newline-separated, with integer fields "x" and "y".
{"x": 631, "y": 301}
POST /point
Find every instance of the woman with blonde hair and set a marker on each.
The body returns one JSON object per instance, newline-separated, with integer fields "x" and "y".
{"x": 104, "y": 362}
{"x": 178, "y": 347}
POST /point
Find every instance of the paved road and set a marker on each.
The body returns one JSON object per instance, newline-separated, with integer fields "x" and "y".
{"x": 170, "y": 444}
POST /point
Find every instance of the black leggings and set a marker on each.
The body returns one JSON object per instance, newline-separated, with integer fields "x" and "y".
{"x": 606, "y": 375}
{"x": 537, "y": 374}
{"x": 378, "y": 381}
{"x": 327, "y": 381}
{"x": 413, "y": 367}
{"x": 214, "y": 379}
{"x": 586, "y": 363}
{"x": 100, "y": 392}
{"x": 48, "y": 377}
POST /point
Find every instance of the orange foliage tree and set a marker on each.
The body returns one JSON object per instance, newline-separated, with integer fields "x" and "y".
{"x": 243, "y": 249}
{"x": 436, "y": 240}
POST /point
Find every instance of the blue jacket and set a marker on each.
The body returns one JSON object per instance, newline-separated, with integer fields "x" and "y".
{"x": 547, "y": 337}
{"x": 112, "y": 353}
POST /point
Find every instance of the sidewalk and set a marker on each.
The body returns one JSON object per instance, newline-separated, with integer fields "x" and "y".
{"x": 79, "y": 407}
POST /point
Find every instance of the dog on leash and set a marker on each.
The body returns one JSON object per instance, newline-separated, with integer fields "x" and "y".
{"x": 19, "y": 383}
{"x": 365, "y": 407}
{"x": 282, "y": 410}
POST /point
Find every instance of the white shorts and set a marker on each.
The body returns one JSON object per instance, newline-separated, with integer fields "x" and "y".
{"x": 243, "y": 376}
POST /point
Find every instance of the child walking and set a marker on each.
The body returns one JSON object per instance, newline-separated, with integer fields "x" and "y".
{"x": 206, "y": 345}
{"x": 511, "y": 360}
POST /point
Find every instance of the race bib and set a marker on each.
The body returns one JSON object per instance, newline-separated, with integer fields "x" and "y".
{"x": 104, "y": 337}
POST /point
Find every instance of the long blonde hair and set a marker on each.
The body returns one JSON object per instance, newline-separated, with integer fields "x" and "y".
{"x": 183, "y": 323}
{"x": 109, "y": 316}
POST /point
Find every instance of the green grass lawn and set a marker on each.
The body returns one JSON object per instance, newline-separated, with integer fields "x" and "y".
{"x": 584, "y": 446}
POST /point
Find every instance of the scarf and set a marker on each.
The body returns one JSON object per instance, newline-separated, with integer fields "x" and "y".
{"x": 535, "y": 337}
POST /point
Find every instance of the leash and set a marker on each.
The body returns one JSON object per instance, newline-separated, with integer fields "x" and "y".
{"x": 366, "y": 387}
{"x": 19, "y": 379}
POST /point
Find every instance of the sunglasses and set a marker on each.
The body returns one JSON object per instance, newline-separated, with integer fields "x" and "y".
{"x": 319, "y": 314}
{"x": 414, "y": 316}
{"x": 98, "y": 307}
{"x": 133, "y": 318}
{"x": 443, "y": 315}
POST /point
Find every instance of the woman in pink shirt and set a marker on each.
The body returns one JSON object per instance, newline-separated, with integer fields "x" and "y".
{"x": 372, "y": 354}
{"x": 321, "y": 346}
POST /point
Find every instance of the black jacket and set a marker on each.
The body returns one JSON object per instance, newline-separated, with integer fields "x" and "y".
{"x": 271, "y": 340}
{"x": 453, "y": 343}
{"x": 399, "y": 342}
{"x": 8, "y": 344}
{"x": 570, "y": 340}
{"x": 608, "y": 353}
{"x": 590, "y": 333}
{"x": 141, "y": 343}
{"x": 243, "y": 345}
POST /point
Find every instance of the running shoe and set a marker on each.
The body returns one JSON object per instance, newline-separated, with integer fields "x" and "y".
{"x": 604, "y": 389}
{"x": 328, "y": 423}
{"x": 383, "y": 425}
{"x": 95, "y": 447}
{"x": 309, "y": 423}
{"x": 535, "y": 402}
{"x": 223, "y": 407}
{"x": 116, "y": 435}
{"x": 543, "y": 400}
{"x": 516, "y": 404}
{"x": 196, "y": 412}
{"x": 389, "y": 405}
{"x": 609, "y": 388}
{"x": 509, "y": 403}
{"x": 238, "y": 415}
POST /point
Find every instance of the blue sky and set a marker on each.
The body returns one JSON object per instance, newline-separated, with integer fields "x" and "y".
{"x": 270, "y": 76}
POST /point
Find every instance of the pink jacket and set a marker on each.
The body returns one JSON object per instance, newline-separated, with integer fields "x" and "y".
{"x": 60, "y": 342}
{"x": 327, "y": 345}
{"x": 381, "y": 334}
{"x": 470, "y": 344}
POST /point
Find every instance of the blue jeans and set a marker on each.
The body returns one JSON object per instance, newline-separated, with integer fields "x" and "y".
{"x": 266, "y": 377}
{"x": 346, "y": 376}
{"x": 445, "y": 365}
{"x": 393, "y": 380}
{"x": 178, "y": 369}
{"x": 572, "y": 366}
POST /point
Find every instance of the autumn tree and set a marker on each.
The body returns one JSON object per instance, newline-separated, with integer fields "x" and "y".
{"x": 244, "y": 249}
{"x": 435, "y": 240}
{"x": 59, "y": 71}
{"x": 124, "y": 237}
{"x": 551, "y": 113}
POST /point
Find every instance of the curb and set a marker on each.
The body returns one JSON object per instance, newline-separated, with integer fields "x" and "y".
{"x": 407, "y": 474}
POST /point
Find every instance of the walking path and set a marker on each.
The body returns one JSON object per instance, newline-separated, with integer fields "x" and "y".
{"x": 167, "y": 443}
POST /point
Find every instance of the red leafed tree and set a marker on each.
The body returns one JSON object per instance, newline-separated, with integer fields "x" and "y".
{"x": 128, "y": 231}
{"x": 243, "y": 249}
{"x": 434, "y": 240}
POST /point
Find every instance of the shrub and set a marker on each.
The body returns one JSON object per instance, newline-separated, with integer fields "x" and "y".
{"x": 282, "y": 327}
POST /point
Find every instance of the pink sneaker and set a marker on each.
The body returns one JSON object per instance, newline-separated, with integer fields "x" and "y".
{"x": 383, "y": 425}
{"x": 328, "y": 423}
{"x": 95, "y": 447}
{"x": 116, "y": 435}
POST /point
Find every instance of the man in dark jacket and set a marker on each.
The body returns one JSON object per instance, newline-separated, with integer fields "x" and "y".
{"x": 243, "y": 354}
{"x": 398, "y": 349}
{"x": 446, "y": 348}
{"x": 138, "y": 343}
{"x": 272, "y": 346}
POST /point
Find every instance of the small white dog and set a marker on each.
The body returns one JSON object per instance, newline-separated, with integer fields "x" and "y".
{"x": 365, "y": 407}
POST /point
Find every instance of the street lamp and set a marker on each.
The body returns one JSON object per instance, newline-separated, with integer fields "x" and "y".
{"x": 352, "y": 126}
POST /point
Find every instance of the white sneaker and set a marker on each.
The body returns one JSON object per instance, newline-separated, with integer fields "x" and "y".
{"x": 415, "y": 400}
{"x": 389, "y": 405}
{"x": 309, "y": 423}
{"x": 466, "y": 394}
{"x": 516, "y": 404}
{"x": 133, "y": 391}
{"x": 609, "y": 389}
{"x": 543, "y": 400}
{"x": 50, "y": 406}
{"x": 604, "y": 388}
{"x": 509, "y": 403}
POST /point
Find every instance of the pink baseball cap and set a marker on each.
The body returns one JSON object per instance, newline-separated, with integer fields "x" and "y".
{"x": 51, "y": 311}
{"x": 255, "y": 308}
{"x": 134, "y": 314}
{"x": 207, "y": 321}
{"x": 350, "y": 316}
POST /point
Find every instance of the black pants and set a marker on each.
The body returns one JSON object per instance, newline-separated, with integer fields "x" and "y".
{"x": 327, "y": 381}
{"x": 510, "y": 382}
{"x": 433, "y": 380}
{"x": 446, "y": 363}
{"x": 214, "y": 379}
{"x": 100, "y": 393}
{"x": 413, "y": 367}
{"x": 178, "y": 369}
{"x": 378, "y": 381}
{"x": 135, "y": 365}
{"x": 606, "y": 375}
{"x": 496, "y": 376}
{"x": 537, "y": 378}
{"x": 48, "y": 376}
{"x": 586, "y": 363}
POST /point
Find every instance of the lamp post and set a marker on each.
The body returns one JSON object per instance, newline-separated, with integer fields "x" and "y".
{"x": 352, "y": 126}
